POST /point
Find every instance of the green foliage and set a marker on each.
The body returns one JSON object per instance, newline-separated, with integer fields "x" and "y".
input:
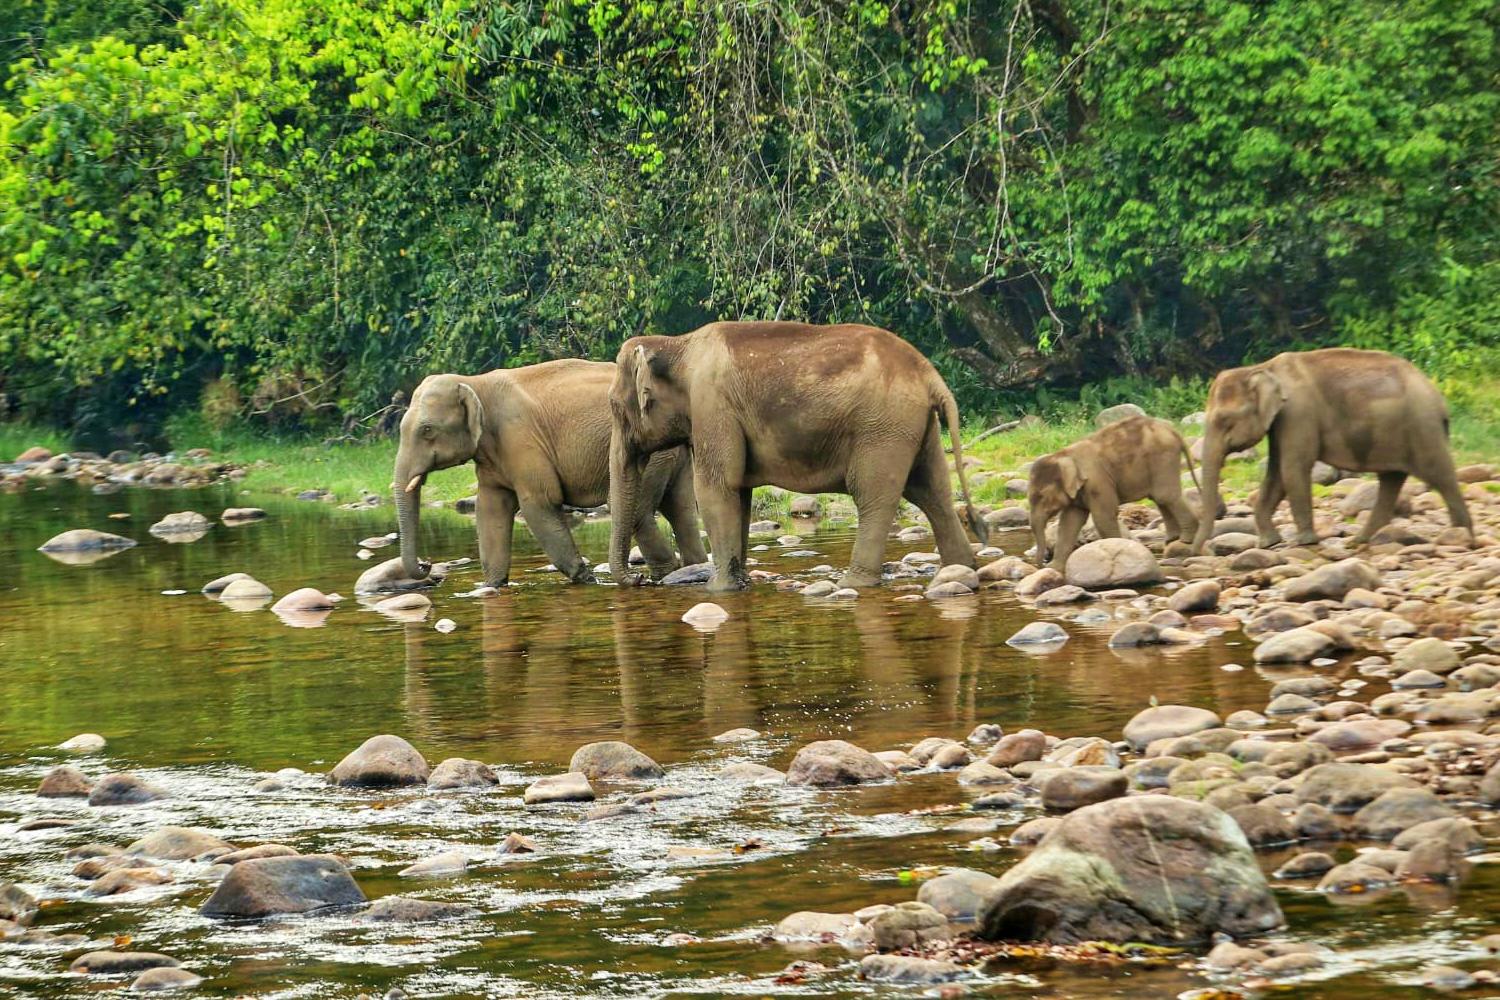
{"x": 323, "y": 201}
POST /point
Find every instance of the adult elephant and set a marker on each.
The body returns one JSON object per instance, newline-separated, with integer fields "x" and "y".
{"x": 539, "y": 438}
{"x": 1365, "y": 411}
{"x": 847, "y": 409}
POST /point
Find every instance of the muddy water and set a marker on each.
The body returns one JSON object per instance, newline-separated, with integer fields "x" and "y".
{"x": 205, "y": 701}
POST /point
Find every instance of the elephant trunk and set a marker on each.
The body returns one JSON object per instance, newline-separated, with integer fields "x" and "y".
{"x": 407, "y": 490}
{"x": 1214, "y": 449}
{"x": 624, "y": 498}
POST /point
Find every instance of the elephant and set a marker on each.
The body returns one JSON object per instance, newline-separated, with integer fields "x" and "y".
{"x": 539, "y": 438}
{"x": 1123, "y": 462}
{"x": 850, "y": 408}
{"x": 1366, "y": 411}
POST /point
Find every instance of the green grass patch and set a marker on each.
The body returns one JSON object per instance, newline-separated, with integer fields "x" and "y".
{"x": 16, "y": 438}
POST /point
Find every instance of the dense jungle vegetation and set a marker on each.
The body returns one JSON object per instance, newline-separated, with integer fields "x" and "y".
{"x": 284, "y": 210}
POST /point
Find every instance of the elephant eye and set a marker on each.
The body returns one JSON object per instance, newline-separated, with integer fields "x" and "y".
{"x": 428, "y": 430}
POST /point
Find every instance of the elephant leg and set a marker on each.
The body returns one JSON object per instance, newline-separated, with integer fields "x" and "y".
{"x": 1296, "y": 479}
{"x": 1439, "y": 474}
{"x": 720, "y": 508}
{"x": 1069, "y": 523}
{"x": 546, "y": 523}
{"x": 931, "y": 490}
{"x": 495, "y": 522}
{"x": 1171, "y": 529}
{"x": 1386, "y": 499}
{"x": 654, "y": 546}
{"x": 877, "y": 505}
{"x": 1104, "y": 508}
{"x": 681, "y": 510}
{"x": 1271, "y": 493}
{"x": 1182, "y": 513}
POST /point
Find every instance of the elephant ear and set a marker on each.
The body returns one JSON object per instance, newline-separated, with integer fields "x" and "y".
{"x": 645, "y": 377}
{"x": 1070, "y": 477}
{"x": 475, "y": 410}
{"x": 1269, "y": 398}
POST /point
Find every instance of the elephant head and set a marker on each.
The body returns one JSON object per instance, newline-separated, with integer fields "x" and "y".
{"x": 1243, "y": 403}
{"x": 1055, "y": 484}
{"x": 441, "y": 429}
{"x": 650, "y": 408}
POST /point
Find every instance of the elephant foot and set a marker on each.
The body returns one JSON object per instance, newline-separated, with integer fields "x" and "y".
{"x": 1269, "y": 540}
{"x": 856, "y": 579}
{"x": 721, "y": 583}
{"x": 1305, "y": 538}
{"x": 662, "y": 569}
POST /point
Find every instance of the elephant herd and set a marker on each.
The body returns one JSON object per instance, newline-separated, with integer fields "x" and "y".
{"x": 688, "y": 426}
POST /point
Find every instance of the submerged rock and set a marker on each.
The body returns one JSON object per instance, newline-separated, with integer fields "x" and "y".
{"x": 406, "y": 909}
{"x": 215, "y": 587}
{"x": 1039, "y": 634}
{"x": 304, "y": 599}
{"x": 16, "y": 904}
{"x": 114, "y": 963}
{"x": 64, "y": 782}
{"x": 460, "y": 772}
{"x": 184, "y": 522}
{"x": 265, "y": 887}
{"x": 908, "y": 970}
{"x": 570, "y": 787}
{"x": 178, "y": 843}
{"x": 165, "y": 978}
{"x": 381, "y": 761}
{"x": 85, "y": 540}
{"x": 827, "y": 763}
{"x": 705, "y": 615}
{"x": 123, "y": 789}
{"x": 1150, "y": 868}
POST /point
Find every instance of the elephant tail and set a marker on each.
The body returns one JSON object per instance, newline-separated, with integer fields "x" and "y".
{"x": 1187, "y": 456}
{"x": 947, "y": 408}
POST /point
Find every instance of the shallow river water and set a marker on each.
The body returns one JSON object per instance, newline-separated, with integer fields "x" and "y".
{"x": 206, "y": 701}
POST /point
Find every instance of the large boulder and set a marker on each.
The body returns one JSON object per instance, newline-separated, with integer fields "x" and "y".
{"x": 834, "y": 762}
{"x": 1116, "y": 413}
{"x": 612, "y": 759}
{"x": 460, "y": 772}
{"x": 389, "y": 577}
{"x": 958, "y": 894}
{"x": 1299, "y": 645}
{"x": 1068, "y": 788}
{"x": 381, "y": 761}
{"x": 1397, "y": 810}
{"x": 123, "y": 789}
{"x": 85, "y": 540}
{"x": 1200, "y": 595}
{"x": 63, "y": 782}
{"x": 1149, "y": 868}
{"x": 1347, "y": 788}
{"x": 1167, "y": 721}
{"x": 264, "y": 887}
{"x": 1332, "y": 582}
{"x": 1112, "y": 562}
{"x": 178, "y": 843}
{"x": 1430, "y": 654}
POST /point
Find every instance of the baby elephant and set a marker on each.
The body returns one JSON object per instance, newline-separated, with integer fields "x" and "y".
{"x": 1126, "y": 461}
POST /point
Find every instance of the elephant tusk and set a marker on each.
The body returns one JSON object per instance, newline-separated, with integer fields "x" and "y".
{"x": 415, "y": 482}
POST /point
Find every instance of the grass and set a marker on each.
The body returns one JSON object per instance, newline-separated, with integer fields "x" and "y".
{"x": 16, "y": 438}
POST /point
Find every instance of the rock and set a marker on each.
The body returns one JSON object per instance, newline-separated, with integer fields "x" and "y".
{"x": 85, "y": 540}
{"x": 177, "y": 843}
{"x": 64, "y": 782}
{"x": 1288, "y": 759}
{"x": 956, "y": 573}
{"x": 1342, "y": 737}
{"x": 740, "y": 735}
{"x": 1008, "y": 517}
{"x": 16, "y": 904}
{"x": 1313, "y": 822}
{"x": 408, "y": 601}
{"x": 981, "y": 773}
{"x": 688, "y": 576}
{"x": 446, "y": 863}
{"x": 1066, "y": 594}
{"x": 705, "y": 615}
{"x": 614, "y": 760}
{"x": 1200, "y": 595}
{"x": 1254, "y": 559}
{"x": 1300, "y": 645}
{"x": 1309, "y": 864}
{"x": 1039, "y": 634}
{"x": 1118, "y": 412}
{"x": 1331, "y": 582}
{"x": 258, "y": 851}
{"x": 805, "y": 506}
{"x": 381, "y": 762}
{"x": 827, "y": 763}
{"x": 1151, "y": 868}
{"x": 1431, "y": 861}
{"x": 1014, "y": 748}
{"x": 1356, "y": 876}
{"x": 1398, "y": 809}
{"x": 215, "y": 587}
{"x": 36, "y": 453}
{"x": 1136, "y": 634}
{"x": 245, "y": 588}
{"x": 240, "y": 515}
{"x": 953, "y": 755}
{"x": 1232, "y": 543}
{"x": 908, "y": 925}
{"x": 810, "y": 925}
{"x": 127, "y": 880}
{"x": 186, "y": 522}
{"x": 515, "y": 843}
{"x": 1429, "y": 654}
{"x": 409, "y": 910}
{"x": 819, "y": 588}
{"x": 165, "y": 978}
{"x": 460, "y": 772}
{"x": 1112, "y": 562}
{"x": 304, "y": 599}
{"x": 1070, "y": 788}
{"x": 1010, "y": 568}
{"x": 570, "y": 787}
{"x": 958, "y": 894}
{"x": 908, "y": 971}
{"x": 114, "y": 963}
{"x": 745, "y": 771}
{"x": 1263, "y": 825}
{"x": 1457, "y": 834}
{"x": 941, "y": 591}
{"x": 389, "y": 577}
{"x": 1034, "y": 831}
{"x": 1347, "y": 788}
{"x": 265, "y": 887}
{"x": 1447, "y": 979}
{"x": 1034, "y": 584}
{"x": 1489, "y": 786}
{"x": 985, "y": 732}
{"x": 123, "y": 789}
{"x": 1167, "y": 721}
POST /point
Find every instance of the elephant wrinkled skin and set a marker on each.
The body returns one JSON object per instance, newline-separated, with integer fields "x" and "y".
{"x": 539, "y": 438}
{"x": 815, "y": 409}
{"x": 1365, "y": 411}
{"x": 1123, "y": 462}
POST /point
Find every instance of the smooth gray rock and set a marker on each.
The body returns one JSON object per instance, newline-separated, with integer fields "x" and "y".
{"x": 265, "y": 887}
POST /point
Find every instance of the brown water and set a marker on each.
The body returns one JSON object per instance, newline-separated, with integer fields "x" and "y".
{"x": 206, "y": 701}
